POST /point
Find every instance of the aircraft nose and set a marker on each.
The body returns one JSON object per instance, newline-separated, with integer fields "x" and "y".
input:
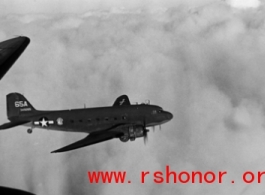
{"x": 169, "y": 116}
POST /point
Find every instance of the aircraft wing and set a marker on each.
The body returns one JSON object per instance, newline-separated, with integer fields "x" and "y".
{"x": 8, "y": 190}
{"x": 10, "y": 51}
{"x": 12, "y": 124}
{"x": 92, "y": 138}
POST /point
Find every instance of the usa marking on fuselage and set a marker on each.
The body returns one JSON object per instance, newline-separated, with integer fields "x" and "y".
{"x": 43, "y": 122}
{"x": 122, "y": 120}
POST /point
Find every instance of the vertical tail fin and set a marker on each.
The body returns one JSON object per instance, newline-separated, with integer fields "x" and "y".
{"x": 17, "y": 105}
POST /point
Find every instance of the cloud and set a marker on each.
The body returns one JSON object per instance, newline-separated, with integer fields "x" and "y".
{"x": 83, "y": 6}
{"x": 204, "y": 64}
{"x": 244, "y": 4}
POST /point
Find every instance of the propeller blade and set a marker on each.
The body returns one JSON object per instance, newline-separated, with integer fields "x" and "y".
{"x": 145, "y": 132}
{"x": 145, "y": 135}
{"x": 145, "y": 139}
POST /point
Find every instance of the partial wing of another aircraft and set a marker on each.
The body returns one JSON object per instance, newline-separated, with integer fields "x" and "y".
{"x": 10, "y": 51}
{"x": 13, "y": 191}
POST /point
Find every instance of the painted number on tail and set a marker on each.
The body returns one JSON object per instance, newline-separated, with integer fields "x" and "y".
{"x": 21, "y": 104}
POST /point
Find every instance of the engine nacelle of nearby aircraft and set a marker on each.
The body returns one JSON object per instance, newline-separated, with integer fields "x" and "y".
{"x": 133, "y": 132}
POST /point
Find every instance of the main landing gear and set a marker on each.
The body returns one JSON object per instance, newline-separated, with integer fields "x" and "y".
{"x": 124, "y": 138}
{"x": 30, "y": 131}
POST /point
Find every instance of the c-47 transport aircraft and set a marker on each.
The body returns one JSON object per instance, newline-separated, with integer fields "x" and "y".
{"x": 122, "y": 120}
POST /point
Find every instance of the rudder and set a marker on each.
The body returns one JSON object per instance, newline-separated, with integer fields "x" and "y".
{"x": 17, "y": 105}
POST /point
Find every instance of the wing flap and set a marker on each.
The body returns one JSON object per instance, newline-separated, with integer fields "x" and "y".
{"x": 89, "y": 140}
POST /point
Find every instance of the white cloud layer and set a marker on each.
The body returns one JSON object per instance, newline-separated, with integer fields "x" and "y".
{"x": 204, "y": 64}
{"x": 244, "y": 4}
{"x": 82, "y": 6}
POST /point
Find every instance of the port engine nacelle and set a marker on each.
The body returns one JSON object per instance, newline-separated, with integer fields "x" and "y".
{"x": 132, "y": 132}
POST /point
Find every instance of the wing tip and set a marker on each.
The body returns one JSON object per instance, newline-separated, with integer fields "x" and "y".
{"x": 56, "y": 151}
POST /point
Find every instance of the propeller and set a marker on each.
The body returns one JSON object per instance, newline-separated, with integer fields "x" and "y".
{"x": 145, "y": 136}
{"x": 145, "y": 132}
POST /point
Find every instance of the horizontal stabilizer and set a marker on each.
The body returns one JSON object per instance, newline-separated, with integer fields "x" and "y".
{"x": 89, "y": 140}
{"x": 12, "y": 124}
{"x": 123, "y": 100}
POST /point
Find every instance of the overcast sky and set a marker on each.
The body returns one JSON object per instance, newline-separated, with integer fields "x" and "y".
{"x": 82, "y": 6}
{"x": 201, "y": 60}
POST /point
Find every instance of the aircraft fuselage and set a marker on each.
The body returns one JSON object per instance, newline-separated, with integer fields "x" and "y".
{"x": 95, "y": 119}
{"x": 122, "y": 120}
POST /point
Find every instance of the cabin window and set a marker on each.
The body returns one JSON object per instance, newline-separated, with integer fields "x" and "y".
{"x": 154, "y": 112}
{"x": 89, "y": 120}
{"x": 80, "y": 121}
{"x": 124, "y": 117}
{"x": 106, "y": 119}
{"x": 98, "y": 119}
{"x": 72, "y": 121}
{"x": 115, "y": 118}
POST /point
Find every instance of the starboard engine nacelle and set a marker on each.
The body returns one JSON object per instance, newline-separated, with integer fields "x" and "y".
{"x": 132, "y": 132}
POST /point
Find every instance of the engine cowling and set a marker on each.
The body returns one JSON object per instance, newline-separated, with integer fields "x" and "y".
{"x": 132, "y": 132}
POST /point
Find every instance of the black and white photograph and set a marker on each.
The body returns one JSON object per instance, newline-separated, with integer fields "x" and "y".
{"x": 132, "y": 97}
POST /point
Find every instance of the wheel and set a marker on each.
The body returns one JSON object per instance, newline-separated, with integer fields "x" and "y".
{"x": 29, "y": 131}
{"x": 132, "y": 138}
{"x": 124, "y": 138}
